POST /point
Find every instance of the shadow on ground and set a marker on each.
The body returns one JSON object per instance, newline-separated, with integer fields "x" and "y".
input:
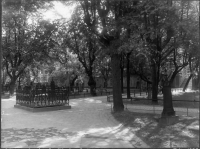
{"x": 30, "y": 137}
{"x": 185, "y": 133}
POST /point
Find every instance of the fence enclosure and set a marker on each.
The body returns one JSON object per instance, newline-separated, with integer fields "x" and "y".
{"x": 42, "y": 97}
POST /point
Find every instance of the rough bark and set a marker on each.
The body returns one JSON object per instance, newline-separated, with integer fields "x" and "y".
{"x": 122, "y": 79}
{"x": 168, "y": 109}
{"x": 154, "y": 85}
{"x": 12, "y": 86}
{"x": 117, "y": 96}
{"x": 92, "y": 85}
{"x": 72, "y": 82}
{"x": 122, "y": 73}
{"x": 0, "y": 46}
{"x": 19, "y": 83}
{"x": 128, "y": 76}
{"x": 199, "y": 75}
{"x": 105, "y": 83}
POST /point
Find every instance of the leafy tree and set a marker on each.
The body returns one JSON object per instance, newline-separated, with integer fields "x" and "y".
{"x": 103, "y": 68}
{"x": 189, "y": 13}
{"x": 72, "y": 67}
{"x": 1, "y": 68}
{"x": 84, "y": 44}
{"x": 157, "y": 33}
{"x": 64, "y": 54}
{"x": 104, "y": 19}
{"x": 23, "y": 42}
{"x": 140, "y": 65}
{"x": 186, "y": 41}
{"x": 122, "y": 65}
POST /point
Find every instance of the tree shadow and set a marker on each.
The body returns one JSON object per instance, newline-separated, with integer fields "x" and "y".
{"x": 32, "y": 137}
{"x": 148, "y": 129}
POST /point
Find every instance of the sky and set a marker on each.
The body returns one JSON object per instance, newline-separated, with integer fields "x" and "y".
{"x": 59, "y": 11}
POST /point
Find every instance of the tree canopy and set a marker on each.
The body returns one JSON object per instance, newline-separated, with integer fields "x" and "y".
{"x": 151, "y": 35}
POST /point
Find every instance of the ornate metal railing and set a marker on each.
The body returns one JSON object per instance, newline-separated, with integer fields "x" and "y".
{"x": 42, "y": 97}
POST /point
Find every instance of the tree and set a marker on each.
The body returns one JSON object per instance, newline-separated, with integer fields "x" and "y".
{"x": 157, "y": 32}
{"x": 84, "y": 44}
{"x": 103, "y": 68}
{"x": 122, "y": 71}
{"x": 72, "y": 68}
{"x": 185, "y": 43}
{"x": 0, "y": 45}
{"x": 23, "y": 42}
{"x": 74, "y": 39}
{"x": 140, "y": 65}
{"x": 104, "y": 19}
{"x": 189, "y": 13}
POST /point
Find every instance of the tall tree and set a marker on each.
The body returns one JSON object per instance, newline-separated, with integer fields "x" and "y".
{"x": 23, "y": 42}
{"x": 1, "y": 46}
{"x": 122, "y": 72}
{"x": 157, "y": 33}
{"x": 85, "y": 45}
{"x": 103, "y": 68}
{"x": 104, "y": 18}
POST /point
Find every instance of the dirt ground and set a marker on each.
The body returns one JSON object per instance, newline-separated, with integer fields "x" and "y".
{"x": 90, "y": 124}
{"x": 184, "y": 133}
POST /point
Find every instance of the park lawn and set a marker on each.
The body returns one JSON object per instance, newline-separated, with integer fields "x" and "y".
{"x": 184, "y": 133}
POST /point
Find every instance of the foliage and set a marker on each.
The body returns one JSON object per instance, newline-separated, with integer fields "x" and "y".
{"x": 22, "y": 42}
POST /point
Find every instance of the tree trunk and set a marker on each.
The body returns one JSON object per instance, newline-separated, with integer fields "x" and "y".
{"x": 105, "y": 82}
{"x": 122, "y": 72}
{"x": 154, "y": 85}
{"x": 92, "y": 85}
{"x": 3, "y": 78}
{"x": 12, "y": 87}
{"x": 19, "y": 83}
{"x": 118, "y": 105}
{"x": 0, "y": 45}
{"x": 128, "y": 76}
{"x": 173, "y": 76}
{"x": 187, "y": 82}
{"x": 168, "y": 109}
{"x": 122, "y": 85}
{"x": 72, "y": 82}
{"x": 199, "y": 75}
